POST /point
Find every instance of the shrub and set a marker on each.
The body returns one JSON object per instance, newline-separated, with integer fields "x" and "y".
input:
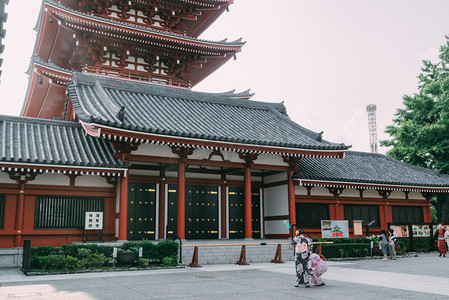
{"x": 169, "y": 261}
{"x": 73, "y": 263}
{"x": 144, "y": 262}
{"x": 72, "y": 250}
{"x": 96, "y": 260}
{"x": 345, "y": 250}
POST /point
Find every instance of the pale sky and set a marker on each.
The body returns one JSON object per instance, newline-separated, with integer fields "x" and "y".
{"x": 325, "y": 59}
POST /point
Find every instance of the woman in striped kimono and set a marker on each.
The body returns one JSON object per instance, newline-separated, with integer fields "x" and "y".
{"x": 303, "y": 249}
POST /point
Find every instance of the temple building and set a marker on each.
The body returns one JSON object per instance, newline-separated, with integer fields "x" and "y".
{"x": 110, "y": 124}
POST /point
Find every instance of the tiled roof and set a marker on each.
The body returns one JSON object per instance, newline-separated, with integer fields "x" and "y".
{"x": 184, "y": 113}
{"x": 362, "y": 167}
{"x": 38, "y": 141}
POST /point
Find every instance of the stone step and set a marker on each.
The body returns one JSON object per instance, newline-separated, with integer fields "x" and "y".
{"x": 230, "y": 254}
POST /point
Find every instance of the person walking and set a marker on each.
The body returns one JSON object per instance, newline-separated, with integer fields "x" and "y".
{"x": 439, "y": 236}
{"x": 446, "y": 236}
{"x": 383, "y": 244}
{"x": 302, "y": 247}
{"x": 391, "y": 243}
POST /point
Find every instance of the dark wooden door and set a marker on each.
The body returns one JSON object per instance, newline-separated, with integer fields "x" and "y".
{"x": 141, "y": 211}
{"x": 201, "y": 211}
{"x": 236, "y": 198}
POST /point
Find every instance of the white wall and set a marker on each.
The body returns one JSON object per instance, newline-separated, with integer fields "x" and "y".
{"x": 90, "y": 180}
{"x": 371, "y": 194}
{"x": 416, "y": 196}
{"x": 276, "y": 177}
{"x": 276, "y": 227}
{"x": 274, "y": 160}
{"x": 300, "y": 190}
{"x": 350, "y": 193}
{"x": 320, "y": 191}
{"x": 397, "y": 195}
{"x": 4, "y": 178}
{"x": 276, "y": 201}
{"x": 144, "y": 172}
{"x": 154, "y": 150}
{"x": 51, "y": 179}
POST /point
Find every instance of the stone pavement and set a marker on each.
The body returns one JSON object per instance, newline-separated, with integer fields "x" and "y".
{"x": 423, "y": 277}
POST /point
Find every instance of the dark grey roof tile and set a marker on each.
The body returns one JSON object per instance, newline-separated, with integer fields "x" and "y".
{"x": 52, "y": 142}
{"x": 185, "y": 113}
{"x": 374, "y": 168}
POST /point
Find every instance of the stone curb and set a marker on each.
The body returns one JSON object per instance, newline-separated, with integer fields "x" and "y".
{"x": 102, "y": 270}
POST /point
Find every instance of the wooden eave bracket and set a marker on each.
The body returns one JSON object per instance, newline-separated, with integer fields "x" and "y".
{"x": 124, "y": 149}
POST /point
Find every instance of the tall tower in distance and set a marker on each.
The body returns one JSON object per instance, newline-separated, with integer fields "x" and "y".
{"x": 372, "y": 127}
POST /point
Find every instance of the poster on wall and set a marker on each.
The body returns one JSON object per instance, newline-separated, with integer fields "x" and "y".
{"x": 421, "y": 230}
{"x": 358, "y": 229}
{"x": 334, "y": 229}
{"x": 400, "y": 231}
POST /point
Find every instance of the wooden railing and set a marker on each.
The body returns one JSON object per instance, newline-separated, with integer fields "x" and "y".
{"x": 135, "y": 76}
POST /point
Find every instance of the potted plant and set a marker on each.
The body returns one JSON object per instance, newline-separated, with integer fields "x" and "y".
{"x": 126, "y": 257}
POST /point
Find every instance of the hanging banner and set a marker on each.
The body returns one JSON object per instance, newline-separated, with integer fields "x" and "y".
{"x": 334, "y": 229}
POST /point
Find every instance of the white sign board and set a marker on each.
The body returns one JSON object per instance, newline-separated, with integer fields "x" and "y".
{"x": 334, "y": 229}
{"x": 94, "y": 220}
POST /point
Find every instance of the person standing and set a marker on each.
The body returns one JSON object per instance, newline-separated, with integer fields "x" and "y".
{"x": 391, "y": 244}
{"x": 446, "y": 236}
{"x": 439, "y": 236}
{"x": 383, "y": 244}
{"x": 302, "y": 246}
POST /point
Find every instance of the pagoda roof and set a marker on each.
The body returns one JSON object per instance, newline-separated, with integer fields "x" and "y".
{"x": 122, "y": 27}
{"x": 360, "y": 169}
{"x": 204, "y": 12}
{"x": 57, "y": 24}
{"x": 30, "y": 142}
{"x": 3, "y": 19}
{"x": 187, "y": 114}
{"x": 46, "y": 89}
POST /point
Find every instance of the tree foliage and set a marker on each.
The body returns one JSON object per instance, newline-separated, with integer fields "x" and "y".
{"x": 420, "y": 131}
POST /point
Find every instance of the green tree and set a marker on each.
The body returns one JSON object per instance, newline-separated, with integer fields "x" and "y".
{"x": 420, "y": 131}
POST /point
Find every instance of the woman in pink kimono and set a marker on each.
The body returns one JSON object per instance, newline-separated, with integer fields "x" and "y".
{"x": 317, "y": 268}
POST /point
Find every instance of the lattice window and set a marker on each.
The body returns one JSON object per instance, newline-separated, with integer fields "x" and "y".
{"x": 309, "y": 215}
{"x": 366, "y": 213}
{"x": 408, "y": 214}
{"x": 64, "y": 212}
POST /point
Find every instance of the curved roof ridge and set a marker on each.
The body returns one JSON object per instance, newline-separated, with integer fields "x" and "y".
{"x": 146, "y": 88}
{"x": 310, "y": 133}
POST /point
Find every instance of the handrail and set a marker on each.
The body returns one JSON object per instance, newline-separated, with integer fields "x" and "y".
{"x": 248, "y": 244}
{"x": 135, "y": 76}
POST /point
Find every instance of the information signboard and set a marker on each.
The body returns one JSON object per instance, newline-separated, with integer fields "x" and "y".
{"x": 94, "y": 220}
{"x": 334, "y": 229}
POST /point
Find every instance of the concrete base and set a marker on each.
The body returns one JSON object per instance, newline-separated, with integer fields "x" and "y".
{"x": 11, "y": 257}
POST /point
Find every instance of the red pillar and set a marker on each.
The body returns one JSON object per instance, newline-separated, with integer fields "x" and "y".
{"x": 123, "y": 213}
{"x": 223, "y": 209}
{"x": 247, "y": 205}
{"x": 18, "y": 226}
{"x": 427, "y": 213}
{"x": 181, "y": 222}
{"x": 291, "y": 198}
{"x": 161, "y": 218}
